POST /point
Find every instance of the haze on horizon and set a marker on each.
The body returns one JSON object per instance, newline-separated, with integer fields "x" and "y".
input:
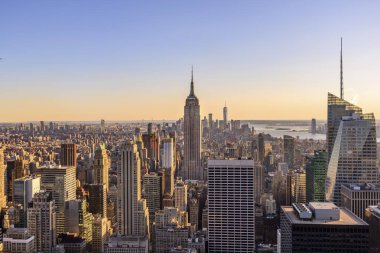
{"x": 123, "y": 60}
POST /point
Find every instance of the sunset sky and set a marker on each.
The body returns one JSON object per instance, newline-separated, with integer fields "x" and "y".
{"x": 131, "y": 60}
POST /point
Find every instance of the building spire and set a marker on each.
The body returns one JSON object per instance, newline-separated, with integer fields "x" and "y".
{"x": 341, "y": 69}
{"x": 192, "y": 83}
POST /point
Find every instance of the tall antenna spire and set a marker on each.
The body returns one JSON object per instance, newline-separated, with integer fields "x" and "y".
{"x": 192, "y": 83}
{"x": 341, "y": 69}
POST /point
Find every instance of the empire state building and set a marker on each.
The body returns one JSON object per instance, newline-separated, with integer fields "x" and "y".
{"x": 192, "y": 168}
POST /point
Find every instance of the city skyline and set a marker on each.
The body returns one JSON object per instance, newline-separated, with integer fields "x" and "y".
{"x": 113, "y": 57}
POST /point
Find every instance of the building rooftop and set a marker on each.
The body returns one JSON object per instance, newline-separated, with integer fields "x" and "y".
{"x": 235, "y": 162}
{"x": 345, "y": 216}
{"x": 362, "y": 187}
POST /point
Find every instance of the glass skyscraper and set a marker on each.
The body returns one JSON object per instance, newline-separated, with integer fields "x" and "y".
{"x": 351, "y": 144}
{"x": 316, "y": 176}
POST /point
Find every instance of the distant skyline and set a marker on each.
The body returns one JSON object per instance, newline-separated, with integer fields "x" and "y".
{"x": 131, "y": 60}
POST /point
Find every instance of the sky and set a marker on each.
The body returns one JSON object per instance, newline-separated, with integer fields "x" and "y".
{"x": 131, "y": 60}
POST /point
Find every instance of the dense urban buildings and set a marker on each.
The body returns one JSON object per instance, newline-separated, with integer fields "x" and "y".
{"x": 215, "y": 185}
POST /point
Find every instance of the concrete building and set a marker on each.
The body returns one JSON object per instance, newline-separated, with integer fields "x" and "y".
{"x": 230, "y": 187}
{"x": 24, "y": 190}
{"x": 192, "y": 167}
{"x": 321, "y": 227}
{"x": 357, "y": 197}
{"x": 99, "y": 234}
{"x": 78, "y": 220}
{"x": 153, "y": 191}
{"x": 18, "y": 240}
{"x": 101, "y": 166}
{"x": 180, "y": 195}
{"x": 72, "y": 243}
{"x": 194, "y": 212}
{"x": 42, "y": 221}
{"x": 126, "y": 244}
{"x": 61, "y": 182}
{"x": 133, "y": 215}
{"x": 171, "y": 229}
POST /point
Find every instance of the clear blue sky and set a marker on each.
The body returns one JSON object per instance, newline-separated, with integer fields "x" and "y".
{"x": 125, "y": 60}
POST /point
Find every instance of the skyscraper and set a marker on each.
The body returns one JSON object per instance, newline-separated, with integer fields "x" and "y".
{"x": 352, "y": 148}
{"x": 153, "y": 189}
{"x": 225, "y": 115}
{"x": 97, "y": 199}
{"x": 289, "y": 151}
{"x": 192, "y": 168}
{"x": 78, "y": 220}
{"x": 313, "y": 129}
{"x": 133, "y": 216}
{"x": 61, "y": 182}
{"x": 3, "y": 198}
{"x": 101, "y": 166}
{"x": 231, "y": 206}
{"x": 42, "y": 221}
{"x": 261, "y": 148}
{"x": 69, "y": 154}
{"x": 24, "y": 190}
{"x": 316, "y": 168}
{"x": 99, "y": 234}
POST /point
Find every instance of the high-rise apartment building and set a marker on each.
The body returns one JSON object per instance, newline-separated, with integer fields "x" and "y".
{"x": 231, "y": 196}
{"x": 289, "y": 151}
{"x": 321, "y": 227}
{"x": 133, "y": 215}
{"x": 69, "y": 154}
{"x": 42, "y": 221}
{"x": 61, "y": 182}
{"x": 316, "y": 168}
{"x": 101, "y": 166}
{"x": 352, "y": 148}
{"x": 192, "y": 167}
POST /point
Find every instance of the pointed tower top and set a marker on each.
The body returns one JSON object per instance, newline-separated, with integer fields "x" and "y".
{"x": 192, "y": 83}
{"x": 341, "y": 69}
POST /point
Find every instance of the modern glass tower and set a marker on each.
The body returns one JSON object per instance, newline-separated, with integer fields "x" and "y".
{"x": 316, "y": 176}
{"x": 351, "y": 144}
